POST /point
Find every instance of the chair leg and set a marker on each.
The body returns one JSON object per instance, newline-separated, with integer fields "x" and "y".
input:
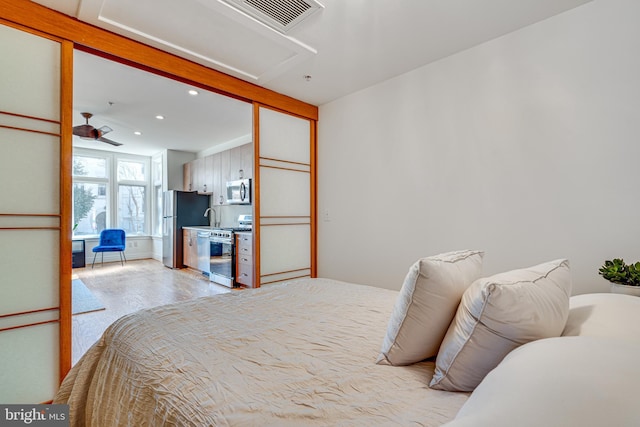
{"x": 121, "y": 255}
{"x": 94, "y": 259}
{"x": 103, "y": 259}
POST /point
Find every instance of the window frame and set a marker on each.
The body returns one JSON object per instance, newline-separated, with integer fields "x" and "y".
{"x": 113, "y": 186}
{"x": 157, "y": 193}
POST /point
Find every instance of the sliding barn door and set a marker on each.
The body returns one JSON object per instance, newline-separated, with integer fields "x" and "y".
{"x": 285, "y": 196}
{"x": 32, "y": 216}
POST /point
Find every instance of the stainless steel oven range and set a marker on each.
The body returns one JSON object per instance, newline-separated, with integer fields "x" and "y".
{"x": 222, "y": 252}
{"x": 222, "y": 257}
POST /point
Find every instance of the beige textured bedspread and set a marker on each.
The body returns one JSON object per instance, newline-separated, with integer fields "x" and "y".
{"x": 299, "y": 354}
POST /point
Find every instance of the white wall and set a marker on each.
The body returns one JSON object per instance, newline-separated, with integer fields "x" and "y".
{"x": 173, "y": 167}
{"x": 526, "y": 147}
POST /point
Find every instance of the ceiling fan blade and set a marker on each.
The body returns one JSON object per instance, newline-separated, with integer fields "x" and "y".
{"x": 108, "y": 141}
{"x": 87, "y": 131}
{"x": 83, "y": 131}
{"x": 104, "y": 129}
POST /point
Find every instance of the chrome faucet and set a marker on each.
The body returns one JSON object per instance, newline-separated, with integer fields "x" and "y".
{"x": 215, "y": 217}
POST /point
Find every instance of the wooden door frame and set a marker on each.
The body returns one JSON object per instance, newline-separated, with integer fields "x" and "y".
{"x": 79, "y": 35}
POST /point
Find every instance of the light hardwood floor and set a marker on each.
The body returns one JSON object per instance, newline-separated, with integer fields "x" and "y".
{"x": 125, "y": 289}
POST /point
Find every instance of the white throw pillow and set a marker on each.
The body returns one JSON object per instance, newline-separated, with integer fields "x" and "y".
{"x": 498, "y": 314}
{"x": 604, "y": 315}
{"x": 567, "y": 381}
{"x": 426, "y": 304}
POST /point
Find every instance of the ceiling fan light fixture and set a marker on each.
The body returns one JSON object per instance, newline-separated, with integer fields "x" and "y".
{"x": 88, "y": 132}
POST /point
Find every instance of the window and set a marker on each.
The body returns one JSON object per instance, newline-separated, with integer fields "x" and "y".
{"x": 132, "y": 196}
{"x": 109, "y": 191}
{"x": 156, "y": 170}
{"x": 90, "y": 201}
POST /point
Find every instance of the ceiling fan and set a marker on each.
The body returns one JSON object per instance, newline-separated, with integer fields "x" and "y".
{"x": 86, "y": 131}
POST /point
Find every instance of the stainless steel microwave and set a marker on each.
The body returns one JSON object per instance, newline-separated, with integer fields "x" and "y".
{"x": 239, "y": 192}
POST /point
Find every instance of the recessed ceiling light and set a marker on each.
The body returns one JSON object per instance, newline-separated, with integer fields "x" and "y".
{"x": 137, "y": 132}
{"x": 160, "y": 117}
{"x": 193, "y": 92}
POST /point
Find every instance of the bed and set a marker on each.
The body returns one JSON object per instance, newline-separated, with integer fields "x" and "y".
{"x": 301, "y": 353}
{"x": 450, "y": 348}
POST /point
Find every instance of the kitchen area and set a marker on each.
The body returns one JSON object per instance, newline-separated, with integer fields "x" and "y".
{"x": 207, "y": 226}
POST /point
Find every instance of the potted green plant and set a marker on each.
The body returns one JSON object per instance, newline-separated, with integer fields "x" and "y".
{"x": 624, "y": 278}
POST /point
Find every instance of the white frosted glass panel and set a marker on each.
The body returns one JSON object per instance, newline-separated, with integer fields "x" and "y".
{"x": 284, "y": 193}
{"x": 284, "y": 277}
{"x": 29, "y": 221}
{"x": 29, "y": 262}
{"x": 280, "y": 164}
{"x": 30, "y": 364}
{"x": 284, "y": 137}
{"x": 31, "y": 174}
{"x": 29, "y": 123}
{"x": 284, "y": 248}
{"x": 30, "y": 76}
{"x": 17, "y": 320}
{"x": 30, "y": 69}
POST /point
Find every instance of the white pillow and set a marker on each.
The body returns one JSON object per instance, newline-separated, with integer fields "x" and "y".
{"x": 567, "y": 381}
{"x": 498, "y": 314}
{"x": 604, "y": 315}
{"x": 426, "y": 304}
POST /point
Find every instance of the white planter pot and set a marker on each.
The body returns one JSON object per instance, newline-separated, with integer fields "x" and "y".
{"x": 625, "y": 289}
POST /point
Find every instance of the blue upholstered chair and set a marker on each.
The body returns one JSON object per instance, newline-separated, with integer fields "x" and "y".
{"x": 111, "y": 240}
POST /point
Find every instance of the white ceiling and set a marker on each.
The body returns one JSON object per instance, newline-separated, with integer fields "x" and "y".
{"x": 346, "y": 46}
{"x": 128, "y": 99}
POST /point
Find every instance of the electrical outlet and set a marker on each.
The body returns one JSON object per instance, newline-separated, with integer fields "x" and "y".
{"x": 325, "y": 215}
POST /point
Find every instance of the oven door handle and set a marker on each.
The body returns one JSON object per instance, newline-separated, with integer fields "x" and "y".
{"x": 221, "y": 240}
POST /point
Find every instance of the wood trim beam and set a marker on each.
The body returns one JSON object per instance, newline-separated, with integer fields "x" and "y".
{"x": 66, "y": 205}
{"x": 33, "y": 15}
{"x": 314, "y": 198}
{"x": 256, "y": 196}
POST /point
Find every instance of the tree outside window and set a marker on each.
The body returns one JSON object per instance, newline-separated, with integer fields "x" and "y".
{"x": 89, "y": 195}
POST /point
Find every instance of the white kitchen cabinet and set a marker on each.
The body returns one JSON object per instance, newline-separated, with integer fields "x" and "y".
{"x": 210, "y": 174}
{"x": 187, "y": 177}
{"x": 244, "y": 259}
{"x": 195, "y": 176}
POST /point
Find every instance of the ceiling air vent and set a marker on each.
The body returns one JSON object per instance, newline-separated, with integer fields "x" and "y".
{"x": 281, "y": 15}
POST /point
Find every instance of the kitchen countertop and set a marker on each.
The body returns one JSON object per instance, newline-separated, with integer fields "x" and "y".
{"x": 209, "y": 228}
{"x": 199, "y": 227}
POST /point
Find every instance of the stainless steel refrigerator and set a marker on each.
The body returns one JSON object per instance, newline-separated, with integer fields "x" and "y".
{"x": 180, "y": 209}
